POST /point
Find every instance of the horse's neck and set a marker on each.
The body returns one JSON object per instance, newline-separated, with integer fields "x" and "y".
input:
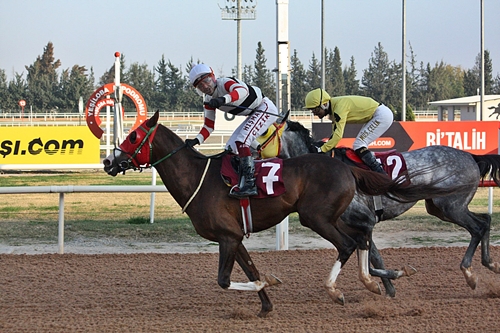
{"x": 179, "y": 172}
{"x": 292, "y": 145}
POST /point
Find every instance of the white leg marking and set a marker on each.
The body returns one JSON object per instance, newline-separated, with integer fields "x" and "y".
{"x": 248, "y": 286}
{"x": 334, "y": 274}
{"x": 363, "y": 264}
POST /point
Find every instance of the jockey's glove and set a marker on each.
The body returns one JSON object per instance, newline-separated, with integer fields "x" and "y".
{"x": 217, "y": 102}
{"x": 316, "y": 147}
{"x": 192, "y": 142}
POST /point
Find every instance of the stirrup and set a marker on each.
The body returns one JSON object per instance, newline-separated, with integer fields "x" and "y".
{"x": 242, "y": 194}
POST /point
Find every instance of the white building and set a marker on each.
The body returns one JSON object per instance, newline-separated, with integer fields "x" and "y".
{"x": 466, "y": 108}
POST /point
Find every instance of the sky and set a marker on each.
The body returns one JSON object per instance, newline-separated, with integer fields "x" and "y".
{"x": 89, "y": 32}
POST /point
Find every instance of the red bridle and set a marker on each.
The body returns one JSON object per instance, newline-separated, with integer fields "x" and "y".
{"x": 139, "y": 153}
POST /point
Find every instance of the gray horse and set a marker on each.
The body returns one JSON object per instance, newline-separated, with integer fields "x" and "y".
{"x": 463, "y": 170}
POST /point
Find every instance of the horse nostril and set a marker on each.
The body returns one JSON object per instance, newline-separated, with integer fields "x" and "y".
{"x": 106, "y": 162}
{"x": 124, "y": 164}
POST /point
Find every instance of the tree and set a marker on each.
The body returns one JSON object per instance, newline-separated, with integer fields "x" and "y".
{"x": 17, "y": 90}
{"x": 73, "y": 85}
{"x": 42, "y": 79}
{"x": 248, "y": 74}
{"x": 442, "y": 82}
{"x": 161, "y": 84}
{"x": 496, "y": 85}
{"x": 334, "y": 77}
{"x": 263, "y": 77}
{"x": 298, "y": 82}
{"x": 375, "y": 78}
{"x": 4, "y": 92}
{"x": 142, "y": 79}
{"x": 350, "y": 81}
{"x": 190, "y": 99}
{"x": 472, "y": 77}
{"x": 314, "y": 74}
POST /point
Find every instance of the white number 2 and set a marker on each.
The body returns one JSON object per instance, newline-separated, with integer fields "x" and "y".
{"x": 398, "y": 164}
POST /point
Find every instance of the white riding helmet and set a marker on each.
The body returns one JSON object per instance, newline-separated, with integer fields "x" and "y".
{"x": 198, "y": 73}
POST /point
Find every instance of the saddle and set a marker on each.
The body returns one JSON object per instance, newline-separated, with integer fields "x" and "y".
{"x": 392, "y": 161}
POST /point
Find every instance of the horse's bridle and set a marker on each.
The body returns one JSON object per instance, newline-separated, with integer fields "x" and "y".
{"x": 133, "y": 162}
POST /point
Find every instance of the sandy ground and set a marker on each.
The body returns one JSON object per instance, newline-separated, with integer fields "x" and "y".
{"x": 256, "y": 242}
{"x": 178, "y": 292}
{"x": 109, "y": 285}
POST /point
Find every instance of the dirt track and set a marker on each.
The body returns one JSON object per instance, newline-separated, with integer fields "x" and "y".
{"x": 179, "y": 293}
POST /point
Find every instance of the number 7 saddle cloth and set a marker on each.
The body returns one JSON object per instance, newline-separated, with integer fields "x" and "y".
{"x": 267, "y": 175}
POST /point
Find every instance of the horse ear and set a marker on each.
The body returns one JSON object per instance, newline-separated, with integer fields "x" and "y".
{"x": 153, "y": 120}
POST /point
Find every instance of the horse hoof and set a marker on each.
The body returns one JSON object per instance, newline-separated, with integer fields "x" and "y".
{"x": 263, "y": 313}
{"x": 408, "y": 270}
{"x": 374, "y": 287}
{"x": 470, "y": 278}
{"x": 494, "y": 267}
{"x": 272, "y": 280}
{"x": 336, "y": 296}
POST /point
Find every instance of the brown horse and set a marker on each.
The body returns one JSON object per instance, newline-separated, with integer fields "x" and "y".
{"x": 319, "y": 188}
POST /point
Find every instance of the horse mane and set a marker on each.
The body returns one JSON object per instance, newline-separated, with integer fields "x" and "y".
{"x": 304, "y": 133}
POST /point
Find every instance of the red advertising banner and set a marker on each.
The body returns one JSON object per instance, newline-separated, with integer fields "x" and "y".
{"x": 476, "y": 137}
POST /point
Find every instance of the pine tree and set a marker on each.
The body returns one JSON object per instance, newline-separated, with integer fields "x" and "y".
{"x": 42, "y": 79}
{"x": 298, "y": 82}
{"x": 375, "y": 78}
{"x": 350, "y": 81}
{"x": 314, "y": 74}
{"x": 264, "y": 78}
{"x": 335, "y": 77}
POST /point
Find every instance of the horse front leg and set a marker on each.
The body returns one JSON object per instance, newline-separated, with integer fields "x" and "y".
{"x": 227, "y": 250}
{"x": 247, "y": 265}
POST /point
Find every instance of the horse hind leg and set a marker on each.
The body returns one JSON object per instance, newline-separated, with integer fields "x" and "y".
{"x": 385, "y": 274}
{"x": 485, "y": 247}
{"x": 345, "y": 245}
{"x": 476, "y": 224}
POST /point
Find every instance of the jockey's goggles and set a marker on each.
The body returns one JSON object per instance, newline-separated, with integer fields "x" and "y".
{"x": 206, "y": 79}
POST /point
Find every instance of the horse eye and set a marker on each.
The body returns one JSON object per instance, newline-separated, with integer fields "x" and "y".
{"x": 132, "y": 137}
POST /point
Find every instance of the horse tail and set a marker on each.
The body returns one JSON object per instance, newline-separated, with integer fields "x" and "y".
{"x": 489, "y": 166}
{"x": 373, "y": 183}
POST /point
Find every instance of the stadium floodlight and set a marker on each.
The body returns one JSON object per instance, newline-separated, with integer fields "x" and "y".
{"x": 238, "y": 10}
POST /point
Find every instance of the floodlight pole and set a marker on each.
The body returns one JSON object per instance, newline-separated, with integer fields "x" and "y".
{"x": 118, "y": 95}
{"x": 238, "y": 13}
{"x": 482, "y": 62}
{"x": 403, "y": 65}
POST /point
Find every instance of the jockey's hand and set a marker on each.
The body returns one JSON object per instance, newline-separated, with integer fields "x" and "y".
{"x": 217, "y": 102}
{"x": 316, "y": 147}
{"x": 192, "y": 142}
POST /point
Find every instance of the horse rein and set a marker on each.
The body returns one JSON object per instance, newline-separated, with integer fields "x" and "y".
{"x": 150, "y": 133}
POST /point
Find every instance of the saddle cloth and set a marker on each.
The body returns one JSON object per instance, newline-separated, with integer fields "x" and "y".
{"x": 268, "y": 175}
{"x": 392, "y": 161}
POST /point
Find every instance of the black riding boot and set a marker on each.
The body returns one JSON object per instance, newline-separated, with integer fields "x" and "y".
{"x": 370, "y": 160}
{"x": 246, "y": 183}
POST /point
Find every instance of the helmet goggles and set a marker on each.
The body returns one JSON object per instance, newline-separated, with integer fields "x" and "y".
{"x": 205, "y": 84}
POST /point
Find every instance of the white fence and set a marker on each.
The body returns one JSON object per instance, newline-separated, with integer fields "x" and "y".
{"x": 80, "y": 189}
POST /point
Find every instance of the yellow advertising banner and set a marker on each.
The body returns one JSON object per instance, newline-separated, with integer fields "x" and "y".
{"x": 48, "y": 145}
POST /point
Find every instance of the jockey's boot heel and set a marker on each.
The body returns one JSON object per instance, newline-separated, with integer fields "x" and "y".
{"x": 246, "y": 182}
{"x": 369, "y": 159}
